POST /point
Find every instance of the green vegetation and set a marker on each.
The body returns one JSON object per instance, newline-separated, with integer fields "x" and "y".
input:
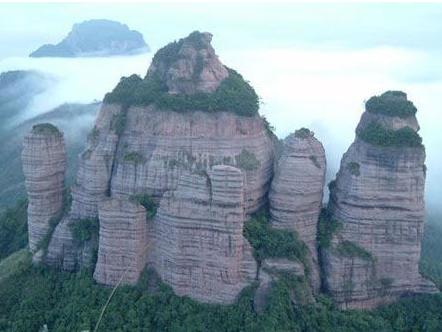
{"x": 84, "y": 230}
{"x": 327, "y": 226}
{"x": 354, "y": 168}
{"x": 93, "y": 135}
{"x": 376, "y": 134}
{"x": 247, "y": 160}
{"x": 391, "y": 103}
{"x": 431, "y": 263}
{"x": 351, "y": 249}
{"x": 134, "y": 157}
{"x": 32, "y": 297}
{"x": 304, "y": 133}
{"x": 119, "y": 121}
{"x": 270, "y": 242}
{"x": 15, "y": 263}
{"x": 45, "y": 129}
{"x": 233, "y": 95}
{"x": 148, "y": 203}
{"x": 14, "y": 229}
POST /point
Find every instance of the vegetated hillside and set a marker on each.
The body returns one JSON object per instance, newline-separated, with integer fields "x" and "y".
{"x": 73, "y": 301}
{"x": 75, "y": 120}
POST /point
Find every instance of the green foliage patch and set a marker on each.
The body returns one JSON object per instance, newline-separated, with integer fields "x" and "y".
{"x": 354, "y": 168}
{"x": 84, "y": 230}
{"x": 327, "y": 227}
{"x": 234, "y": 94}
{"x": 376, "y": 134}
{"x": 147, "y": 202}
{"x": 134, "y": 157}
{"x": 304, "y": 133}
{"x": 45, "y": 129}
{"x": 14, "y": 228}
{"x": 247, "y": 160}
{"x": 391, "y": 103}
{"x": 351, "y": 249}
{"x": 269, "y": 242}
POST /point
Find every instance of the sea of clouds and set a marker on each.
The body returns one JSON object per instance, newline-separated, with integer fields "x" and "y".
{"x": 323, "y": 89}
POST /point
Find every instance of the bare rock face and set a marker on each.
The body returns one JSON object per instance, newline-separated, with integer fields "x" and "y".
{"x": 296, "y": 192}
{"x": 158, "y": 146}
{"x": 189, "y": 66}
{"x": 199, "y": 247}
{"x": 378, "y": 203}
{"x": 122, "y": 243}
{"x": 44, "y": 165}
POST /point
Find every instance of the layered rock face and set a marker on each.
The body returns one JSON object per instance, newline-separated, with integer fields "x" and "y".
{"x": 196, "y": 67}
{"x": 199, "y": 247}
{"x": 123, "y": 242}
{"x": 296, "y": 192}
{"x": 44, "y": 165}
{"x": 378, "y": 203}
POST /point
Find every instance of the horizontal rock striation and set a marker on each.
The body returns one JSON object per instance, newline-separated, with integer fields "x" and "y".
{"x": 44, "y": 165}
{"x": 199, "y": 247}
{"x": 158, "y": 146}
{"x": 123, "y": 242}
{"x": 296, "y": 192}
{"x": 378, "y": 201}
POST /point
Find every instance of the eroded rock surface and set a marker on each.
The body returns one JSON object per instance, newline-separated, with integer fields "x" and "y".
{"x": 189, "y": 65}
{"x": 199, "y": 247}
{"x": 378, "y": 201}
{"x": 123, "y": 243}
{"x": 296, "y": 192}
{"x": 44, "y": 165}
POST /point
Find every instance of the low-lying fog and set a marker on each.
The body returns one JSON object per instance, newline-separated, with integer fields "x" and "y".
{"x": 322, "y": 86}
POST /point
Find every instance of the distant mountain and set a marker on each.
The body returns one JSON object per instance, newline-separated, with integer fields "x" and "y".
{"x": 95, "y": 38}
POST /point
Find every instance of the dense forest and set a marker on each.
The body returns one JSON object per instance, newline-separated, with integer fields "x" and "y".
{"x": 34, "y": 298}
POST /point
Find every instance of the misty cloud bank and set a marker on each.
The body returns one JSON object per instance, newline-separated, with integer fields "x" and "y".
{"x": 323, "y": 89}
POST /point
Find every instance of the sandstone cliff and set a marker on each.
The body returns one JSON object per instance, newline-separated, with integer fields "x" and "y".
{"x": 295, "y": 195}
{"x": 44, "y": 165}
{"x": 377, "y": 205}
{"x": 199, "y": 247}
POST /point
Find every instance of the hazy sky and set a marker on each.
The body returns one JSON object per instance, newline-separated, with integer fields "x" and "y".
{"x": 312, "y": 65}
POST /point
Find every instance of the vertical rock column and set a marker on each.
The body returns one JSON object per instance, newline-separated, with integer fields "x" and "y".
{"x": 199, "y": 247}
{"x": 44, "y": 165}
{"x": 122, "y": 242}
{"x": 377, "y": 206}
{"x": 296, "y": 192}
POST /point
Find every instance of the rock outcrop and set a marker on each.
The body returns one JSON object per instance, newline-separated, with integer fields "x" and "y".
{"x": 191, "y": 65}
{"x": 199, "y": 247}
{"x": 44, "y": 165}
{"x": 377, "y": 204}
{"x": 123, "y": 244}
{"x": 95, "y": 38}
{"x": 296, "y": 191}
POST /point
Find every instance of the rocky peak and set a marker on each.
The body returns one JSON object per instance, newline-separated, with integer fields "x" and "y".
{"x": 189, "y": 66}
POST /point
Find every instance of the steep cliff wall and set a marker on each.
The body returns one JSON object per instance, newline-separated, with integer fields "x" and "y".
{"x": 123, "y": 243}
{"x": 295, "y": 195}
{"x": 199, "y": 247}
{"x": 44, "y": 165}
{"x": 377, "y": 203}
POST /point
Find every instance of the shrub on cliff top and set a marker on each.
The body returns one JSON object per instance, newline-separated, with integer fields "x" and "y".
{"x": 234, "y": 94}
{"x": 45, "y": 129}
{"x": 304, "y": 133}
{"x": 376, "y": 134}
{"x": 391, "y": 103}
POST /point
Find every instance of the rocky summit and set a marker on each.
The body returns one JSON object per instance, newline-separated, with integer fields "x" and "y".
{"x": 181, "y": 176}
{"x": 95, "y": 38}
{"x": 377, "y": 206}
